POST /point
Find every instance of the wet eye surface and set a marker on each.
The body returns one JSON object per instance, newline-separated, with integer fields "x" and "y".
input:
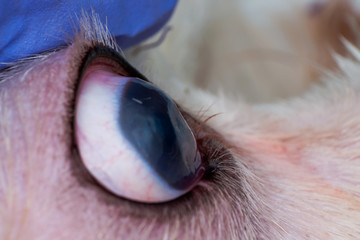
{"x": 132, "y": 138}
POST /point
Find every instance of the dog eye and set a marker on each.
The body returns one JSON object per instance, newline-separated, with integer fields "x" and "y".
{"x": 133, "y": 139}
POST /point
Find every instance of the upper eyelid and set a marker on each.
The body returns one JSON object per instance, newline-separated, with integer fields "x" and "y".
{"x": 119, "y": 63}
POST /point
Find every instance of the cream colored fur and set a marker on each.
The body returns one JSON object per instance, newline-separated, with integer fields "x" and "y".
{"x": 284, "y": 97}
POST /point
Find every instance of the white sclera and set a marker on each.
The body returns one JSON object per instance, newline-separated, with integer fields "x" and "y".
{"x": 104, "y": 151}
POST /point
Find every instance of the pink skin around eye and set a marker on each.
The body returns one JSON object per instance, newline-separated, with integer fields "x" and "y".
{"x": 103, "y": 149}
{"x": 44, "y": 193}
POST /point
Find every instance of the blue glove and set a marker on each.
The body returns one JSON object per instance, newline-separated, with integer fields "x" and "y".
{"x": 29, "y": 27}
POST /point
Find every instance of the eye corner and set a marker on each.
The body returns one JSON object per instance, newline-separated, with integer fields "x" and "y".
{"x": 212, "y": 147}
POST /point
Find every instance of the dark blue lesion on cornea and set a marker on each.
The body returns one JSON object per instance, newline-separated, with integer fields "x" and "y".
{"x": 153, "y": 125}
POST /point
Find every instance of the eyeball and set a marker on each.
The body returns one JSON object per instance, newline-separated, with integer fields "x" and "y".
{"x": 133, "y": 140}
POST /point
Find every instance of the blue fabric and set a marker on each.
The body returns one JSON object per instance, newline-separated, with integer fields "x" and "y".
{"x": 29, "y": 27}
